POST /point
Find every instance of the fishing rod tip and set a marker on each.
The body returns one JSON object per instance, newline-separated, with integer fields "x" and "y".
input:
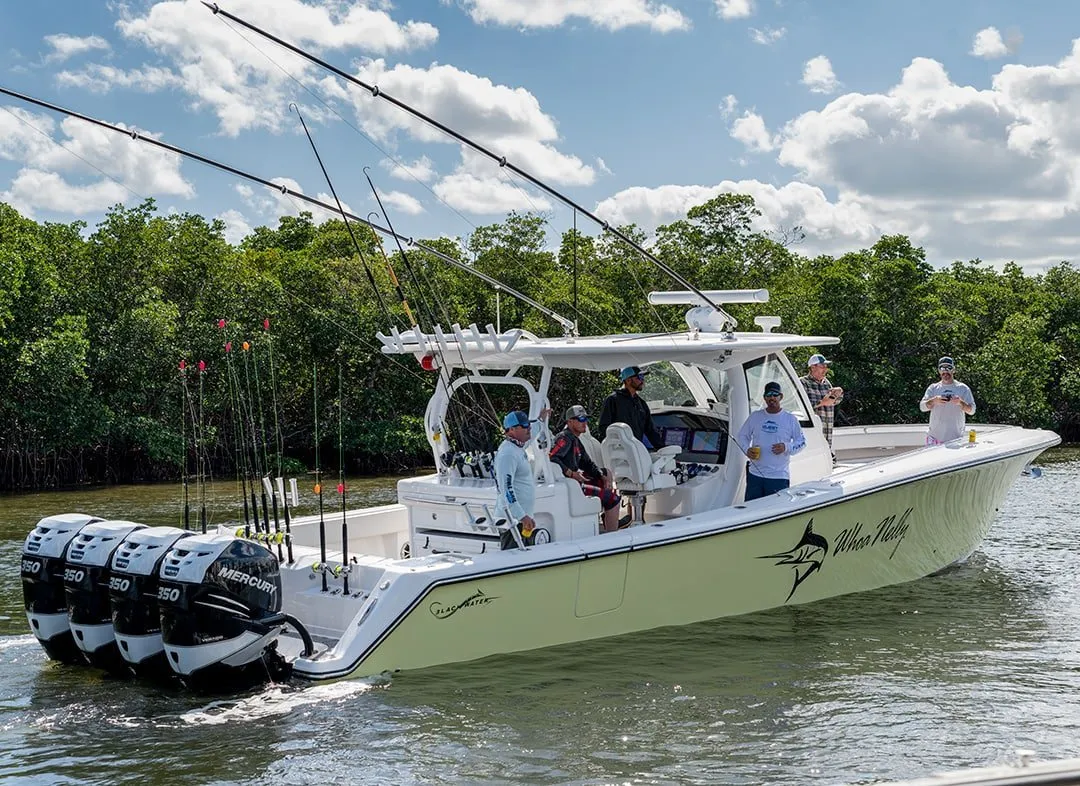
{"x": 212, "y": 6}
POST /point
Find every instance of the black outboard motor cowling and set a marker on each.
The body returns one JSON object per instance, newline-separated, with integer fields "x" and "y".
{"x": 220, "y": 599}
{"x": 44, "y": 557}
{"x": 133, "y": 597}
{"x": 86, "y": 584}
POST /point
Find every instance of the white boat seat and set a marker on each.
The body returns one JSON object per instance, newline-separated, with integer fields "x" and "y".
{"x": 635, "y": 471}
{"x": 580, "y": 505}
{"x": 592, "y": 448}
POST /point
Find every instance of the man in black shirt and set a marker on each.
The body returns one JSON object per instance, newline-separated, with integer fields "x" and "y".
{"x": 568, "y": 452}
{"x": 626, "y": 406}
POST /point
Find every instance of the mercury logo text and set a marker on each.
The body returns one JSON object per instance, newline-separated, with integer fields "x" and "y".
{"x": 232, "y": 574}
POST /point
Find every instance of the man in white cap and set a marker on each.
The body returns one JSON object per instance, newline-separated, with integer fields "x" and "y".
{"x": 949, "y": 402}
{"x": 823, "y": 396}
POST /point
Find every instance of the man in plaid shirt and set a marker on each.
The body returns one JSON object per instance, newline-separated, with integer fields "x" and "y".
{"x": 823, "y": 396}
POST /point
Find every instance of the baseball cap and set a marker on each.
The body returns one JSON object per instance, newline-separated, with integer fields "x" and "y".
{"x": 631, "y": 371}
{"x": 772, "y": 388}
{"x": 946, "y": 361}
{"x": 816, "y": 359}
{"x": 577, "y": 412}
{"x": 516, "y": 418}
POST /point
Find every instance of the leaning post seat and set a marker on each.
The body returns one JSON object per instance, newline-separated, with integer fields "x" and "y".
{"x": 634, "y": 470}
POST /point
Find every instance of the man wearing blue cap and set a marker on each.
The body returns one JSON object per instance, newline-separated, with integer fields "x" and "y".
{"x": 823, "y": 396}
{"x": 626, "y": 406}
{"x": 948, "y": 401}
{"x": 769, "y": 438}
{"x": 513, "y": 475}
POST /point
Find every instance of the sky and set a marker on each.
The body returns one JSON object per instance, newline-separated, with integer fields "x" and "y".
{"x": 952, "y": 122}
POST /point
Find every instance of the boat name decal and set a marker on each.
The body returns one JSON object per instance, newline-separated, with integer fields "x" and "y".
{"x": 808, "y": 555}
{"x": 889, "y": 529}
{"x": 478, "y": 598}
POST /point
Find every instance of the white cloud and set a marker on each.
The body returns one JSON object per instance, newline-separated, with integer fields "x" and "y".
{"x": 608, "y": 14}
{"x": 403, "y": 202}
{"x": 236, "y": 226}
{"x": 731, "y": 103}
{"x": 751, "y": 131}
{"x": 64, "y": 46}
{"x": 603, "y": 167}
{"x": 768, "y": 35}
{"x": 98, "y": 78}
{"x": 990, "y": 173}
{"x": 818, "y": 75}
{"x": 734, "y": 9}
{"x": 246, "y": 89}
{"x": 988, "y": 44}
{"x": 486, "y": 195}
{"x": 421, "y": 169}
{"x": 100, "y": 168}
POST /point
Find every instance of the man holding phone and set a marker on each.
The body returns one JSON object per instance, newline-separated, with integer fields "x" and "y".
{"x": 949, "y": 402}
{"x": 823, "y": 396}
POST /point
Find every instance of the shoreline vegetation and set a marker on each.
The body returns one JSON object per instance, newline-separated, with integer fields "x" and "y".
{"x": 93, "y": 328}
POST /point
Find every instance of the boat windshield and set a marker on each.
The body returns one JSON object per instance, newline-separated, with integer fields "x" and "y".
{"x": 770, "y": 369}
{"x": 665, "y": 387}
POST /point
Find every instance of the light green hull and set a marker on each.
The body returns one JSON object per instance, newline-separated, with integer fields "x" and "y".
{"x": 889, "y": 536}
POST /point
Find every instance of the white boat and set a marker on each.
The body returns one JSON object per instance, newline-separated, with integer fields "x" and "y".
{"x": 425, "y": 581}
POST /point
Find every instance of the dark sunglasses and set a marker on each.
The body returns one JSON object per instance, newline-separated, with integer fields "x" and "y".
{"x": 584, "y": 419}
{"x": 946, "y": 368}
{"x": 773, "y": 395}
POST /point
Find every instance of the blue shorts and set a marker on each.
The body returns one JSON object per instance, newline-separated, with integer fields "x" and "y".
{"x": 762, "y": 487}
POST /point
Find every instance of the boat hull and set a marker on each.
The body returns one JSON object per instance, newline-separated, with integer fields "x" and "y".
{"x": 843, "y": 544}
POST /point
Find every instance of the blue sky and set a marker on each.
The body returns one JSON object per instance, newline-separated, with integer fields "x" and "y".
{"x": 951, "y": 122}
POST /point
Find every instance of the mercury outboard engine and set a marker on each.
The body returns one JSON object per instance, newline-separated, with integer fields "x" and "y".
{"x": 133, "y": 597}
{"x": 220, "y": 599}
{"x": 86, "y": 583}
{"x": 43, "y": 563}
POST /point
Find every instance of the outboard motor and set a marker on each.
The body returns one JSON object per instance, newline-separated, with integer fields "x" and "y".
{"x": 220, "y": 599}
{"x": 86, "y": 583}
{"x": 43, "y": 563}
{"x": 133, "y": 597}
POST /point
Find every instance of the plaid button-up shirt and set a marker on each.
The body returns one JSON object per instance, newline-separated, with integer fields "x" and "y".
{"x": 817, "y": 391}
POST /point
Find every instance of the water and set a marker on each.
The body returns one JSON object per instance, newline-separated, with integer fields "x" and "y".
{"x": 959, "y": 669}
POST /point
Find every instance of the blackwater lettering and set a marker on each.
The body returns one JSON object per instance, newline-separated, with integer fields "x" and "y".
{"x": 478, "y": 598}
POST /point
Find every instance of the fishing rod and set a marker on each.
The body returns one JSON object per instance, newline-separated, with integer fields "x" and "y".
{"x": 348, "y": 226}
{"x": 341, "y": 486}
{"x": 246, "y": 346}
{"x": 279, "y": 443}
{"x": 268, "y": 487}
{"x": 502, "y": 161}
{"x": 238, "y": 438}
{"x": 186, "y": 517}
{"x": 201, "y": 460}
{"x": 318, "y": 477}
{"x": 249, "y": 464}
{"x": 567, "y": 324}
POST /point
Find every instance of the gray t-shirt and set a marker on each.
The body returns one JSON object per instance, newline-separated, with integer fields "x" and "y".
{"x": 947, "y": 419}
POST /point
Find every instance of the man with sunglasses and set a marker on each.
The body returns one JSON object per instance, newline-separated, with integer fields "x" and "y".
{"x": 569, "y": 454}
{"x": 949, "y": 402}
{"x": 769, "y": 438}
{"x": 516, "y": 499}
{"x": 626, "y": 406}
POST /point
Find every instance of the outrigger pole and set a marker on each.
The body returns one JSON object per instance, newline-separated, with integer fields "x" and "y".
{"x": 567, "y": 324}
{"x": 376, "y": 92}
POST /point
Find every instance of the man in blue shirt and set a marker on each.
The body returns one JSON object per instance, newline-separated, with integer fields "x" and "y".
{"x": 513, "y": 475}
{"x": 769, "y": 438}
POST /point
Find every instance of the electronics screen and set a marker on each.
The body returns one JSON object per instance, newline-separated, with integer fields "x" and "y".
{"x": 675, "y": 436}
{"x": 705, "y": 442}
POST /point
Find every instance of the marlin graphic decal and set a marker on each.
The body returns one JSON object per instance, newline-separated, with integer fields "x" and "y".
{"x": 805, "y": 557}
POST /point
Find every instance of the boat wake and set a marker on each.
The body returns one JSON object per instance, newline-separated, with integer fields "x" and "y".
{"x": 277, "y": 700}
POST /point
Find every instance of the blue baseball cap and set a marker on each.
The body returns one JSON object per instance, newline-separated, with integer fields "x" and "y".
{"x": 773, "y": 388}
{"x": 946, "y": 361}
{"x": 516, "y": 418}
{"x": 631, "y": 371}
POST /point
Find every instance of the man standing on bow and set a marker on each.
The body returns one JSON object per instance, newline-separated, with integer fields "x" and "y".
{"x": 769, "y": 438}
{"x": 625, "y": 405}
{"x": 823, "y": 396}
{"x": 949, "y": 402}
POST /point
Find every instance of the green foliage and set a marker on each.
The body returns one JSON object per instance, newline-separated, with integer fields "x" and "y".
{"x": 93, "y": 327}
